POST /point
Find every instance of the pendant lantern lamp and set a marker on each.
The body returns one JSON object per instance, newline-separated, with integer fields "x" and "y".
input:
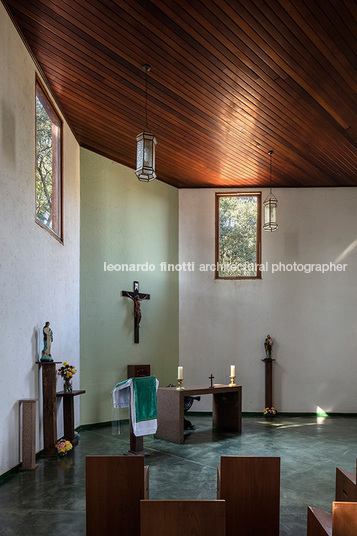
{"x": 270, "y": 205}
{"x": 145, "y": 144}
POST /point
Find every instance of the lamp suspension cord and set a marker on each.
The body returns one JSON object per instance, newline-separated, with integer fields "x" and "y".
{"x": 271, "y": 167}
{"x": 146, "y": 99}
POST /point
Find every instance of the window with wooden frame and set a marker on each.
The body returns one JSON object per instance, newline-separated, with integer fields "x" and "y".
{"x": 48, "y": 164}
{"x": 238, "y": 235}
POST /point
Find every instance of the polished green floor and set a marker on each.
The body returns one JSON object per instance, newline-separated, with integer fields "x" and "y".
{"x": 51, "y": 500}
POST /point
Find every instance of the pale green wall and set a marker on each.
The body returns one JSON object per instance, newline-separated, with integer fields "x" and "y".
{"x": 124, "y": 221}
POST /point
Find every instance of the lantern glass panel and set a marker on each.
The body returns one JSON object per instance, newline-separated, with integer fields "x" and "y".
{"x": 148, "y": 153}
{"x": 139, "y": 154}
{"x": 270, "y": 212}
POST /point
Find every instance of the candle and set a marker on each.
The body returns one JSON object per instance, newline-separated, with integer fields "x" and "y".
{"x": 233, "y": 370}
{"x": 180, "y": 373}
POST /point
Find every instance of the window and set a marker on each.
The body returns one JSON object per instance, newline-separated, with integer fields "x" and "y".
{"x": 48, "y": 164}
{"x": 238, "y": 234}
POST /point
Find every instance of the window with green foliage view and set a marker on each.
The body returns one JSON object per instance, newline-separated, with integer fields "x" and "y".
{"x": 238, "y": 236}
{"x": 48, "y": 165}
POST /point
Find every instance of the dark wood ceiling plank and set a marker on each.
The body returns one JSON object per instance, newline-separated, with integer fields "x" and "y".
{"x": 295, "y": 69}
{"x": 346, "y": 132}
{"x": 197, "y": 103}
{"x": 179, "y": 152}
{"x": 281, "y": 34}
{"x": 297, "y": 122}
{"x": 106, "y": 113}
{"x": 231, "y": 46}
{"x": 316, "y": 32}
{"x": 327, "y": 29}
{"x": 290, "y": 34}
{"x": 214, "y": 114}
{"x": 167, "y": 123}
{"x": 328, "y": 11}
{"x": 128, "y": 116}
{"x": 217, "y": 176}
{"x": 180, "y": 149}
{"x": 350, "y": 7}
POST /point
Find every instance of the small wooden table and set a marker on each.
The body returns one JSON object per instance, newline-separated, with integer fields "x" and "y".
{"x": 226, "y": 410}
{"x": 68, "y": 414}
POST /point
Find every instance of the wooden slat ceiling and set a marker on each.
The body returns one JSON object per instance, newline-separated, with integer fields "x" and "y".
{"x": 229, "y": 81}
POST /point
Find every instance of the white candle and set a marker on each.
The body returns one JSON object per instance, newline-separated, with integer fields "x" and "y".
{"x": 233, "y": 370}
{"x": 180, "y": 373}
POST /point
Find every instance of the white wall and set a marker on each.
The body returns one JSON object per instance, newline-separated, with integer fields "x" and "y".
{"x": 39, "y": 276}
{"x": 125, "y": 221}
{"x": 311, "y": 317}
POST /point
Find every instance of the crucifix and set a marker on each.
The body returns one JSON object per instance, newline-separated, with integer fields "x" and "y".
{"x": 137, "y": 298}
{"x": 211, "y": 378}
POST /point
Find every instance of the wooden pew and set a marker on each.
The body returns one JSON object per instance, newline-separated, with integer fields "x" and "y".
{"x": 345, "y": 488}
{"x": 251, "y": 489}
{"x": 114, "y": 487}
{"x": 182, "y": 518}
{"x": 319, "y": 522}
{"x": 342, "y": 521}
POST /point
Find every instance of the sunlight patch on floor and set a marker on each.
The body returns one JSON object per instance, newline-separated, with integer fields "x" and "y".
{"x": 319, "y": 420}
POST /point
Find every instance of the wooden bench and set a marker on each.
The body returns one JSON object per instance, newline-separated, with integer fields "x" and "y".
{"x": 319, "y": 522}
{"x": 114, "y": 487}
{"x": 182, "y": 518}
{"x": 342, "y": 521}
{"x": 345, "y": 489}
{"x": 251, "y": 488}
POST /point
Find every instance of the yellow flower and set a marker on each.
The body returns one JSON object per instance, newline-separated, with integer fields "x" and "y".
{"x": 74, "y": 371}
{"x": 65, "y": 364}
{"x": 69, "y": 374}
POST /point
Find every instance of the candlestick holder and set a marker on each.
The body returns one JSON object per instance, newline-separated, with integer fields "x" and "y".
{"x": 180, "y": 387}
{"x": 232, "y": 384}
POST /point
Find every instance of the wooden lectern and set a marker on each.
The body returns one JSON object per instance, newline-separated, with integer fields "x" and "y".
{"x": 137, "y": 443}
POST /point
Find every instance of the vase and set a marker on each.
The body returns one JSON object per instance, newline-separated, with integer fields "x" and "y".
{"x": 67, "y": 387}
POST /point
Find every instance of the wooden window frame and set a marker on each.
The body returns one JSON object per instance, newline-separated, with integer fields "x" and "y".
{"x": 53, "y": 113}
{"x": 258, "y": 195}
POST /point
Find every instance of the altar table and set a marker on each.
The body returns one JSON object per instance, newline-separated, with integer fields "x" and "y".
{"x": 226, "y": 409}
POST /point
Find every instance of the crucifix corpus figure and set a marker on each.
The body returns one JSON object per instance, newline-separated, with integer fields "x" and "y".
{"x": 137, "y": 298}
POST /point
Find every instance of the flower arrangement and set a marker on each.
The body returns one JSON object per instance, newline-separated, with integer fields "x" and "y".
{"x": 67, "y": 371}
{"x": 268, "y": 345}
{"x": 269, "y": 411}
{"x": 63, "y": 447}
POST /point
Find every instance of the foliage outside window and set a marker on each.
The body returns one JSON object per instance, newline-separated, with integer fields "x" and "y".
{"x": 48, "y": 165}
{"x": 238, "y": 234}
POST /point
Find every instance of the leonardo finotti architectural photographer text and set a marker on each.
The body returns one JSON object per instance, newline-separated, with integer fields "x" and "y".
{"x": 306, "y": 268}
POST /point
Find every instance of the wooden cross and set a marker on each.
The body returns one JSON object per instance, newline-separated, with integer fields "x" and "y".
{"x": 211, "y": 378}
{"x": 137, "y": 298}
